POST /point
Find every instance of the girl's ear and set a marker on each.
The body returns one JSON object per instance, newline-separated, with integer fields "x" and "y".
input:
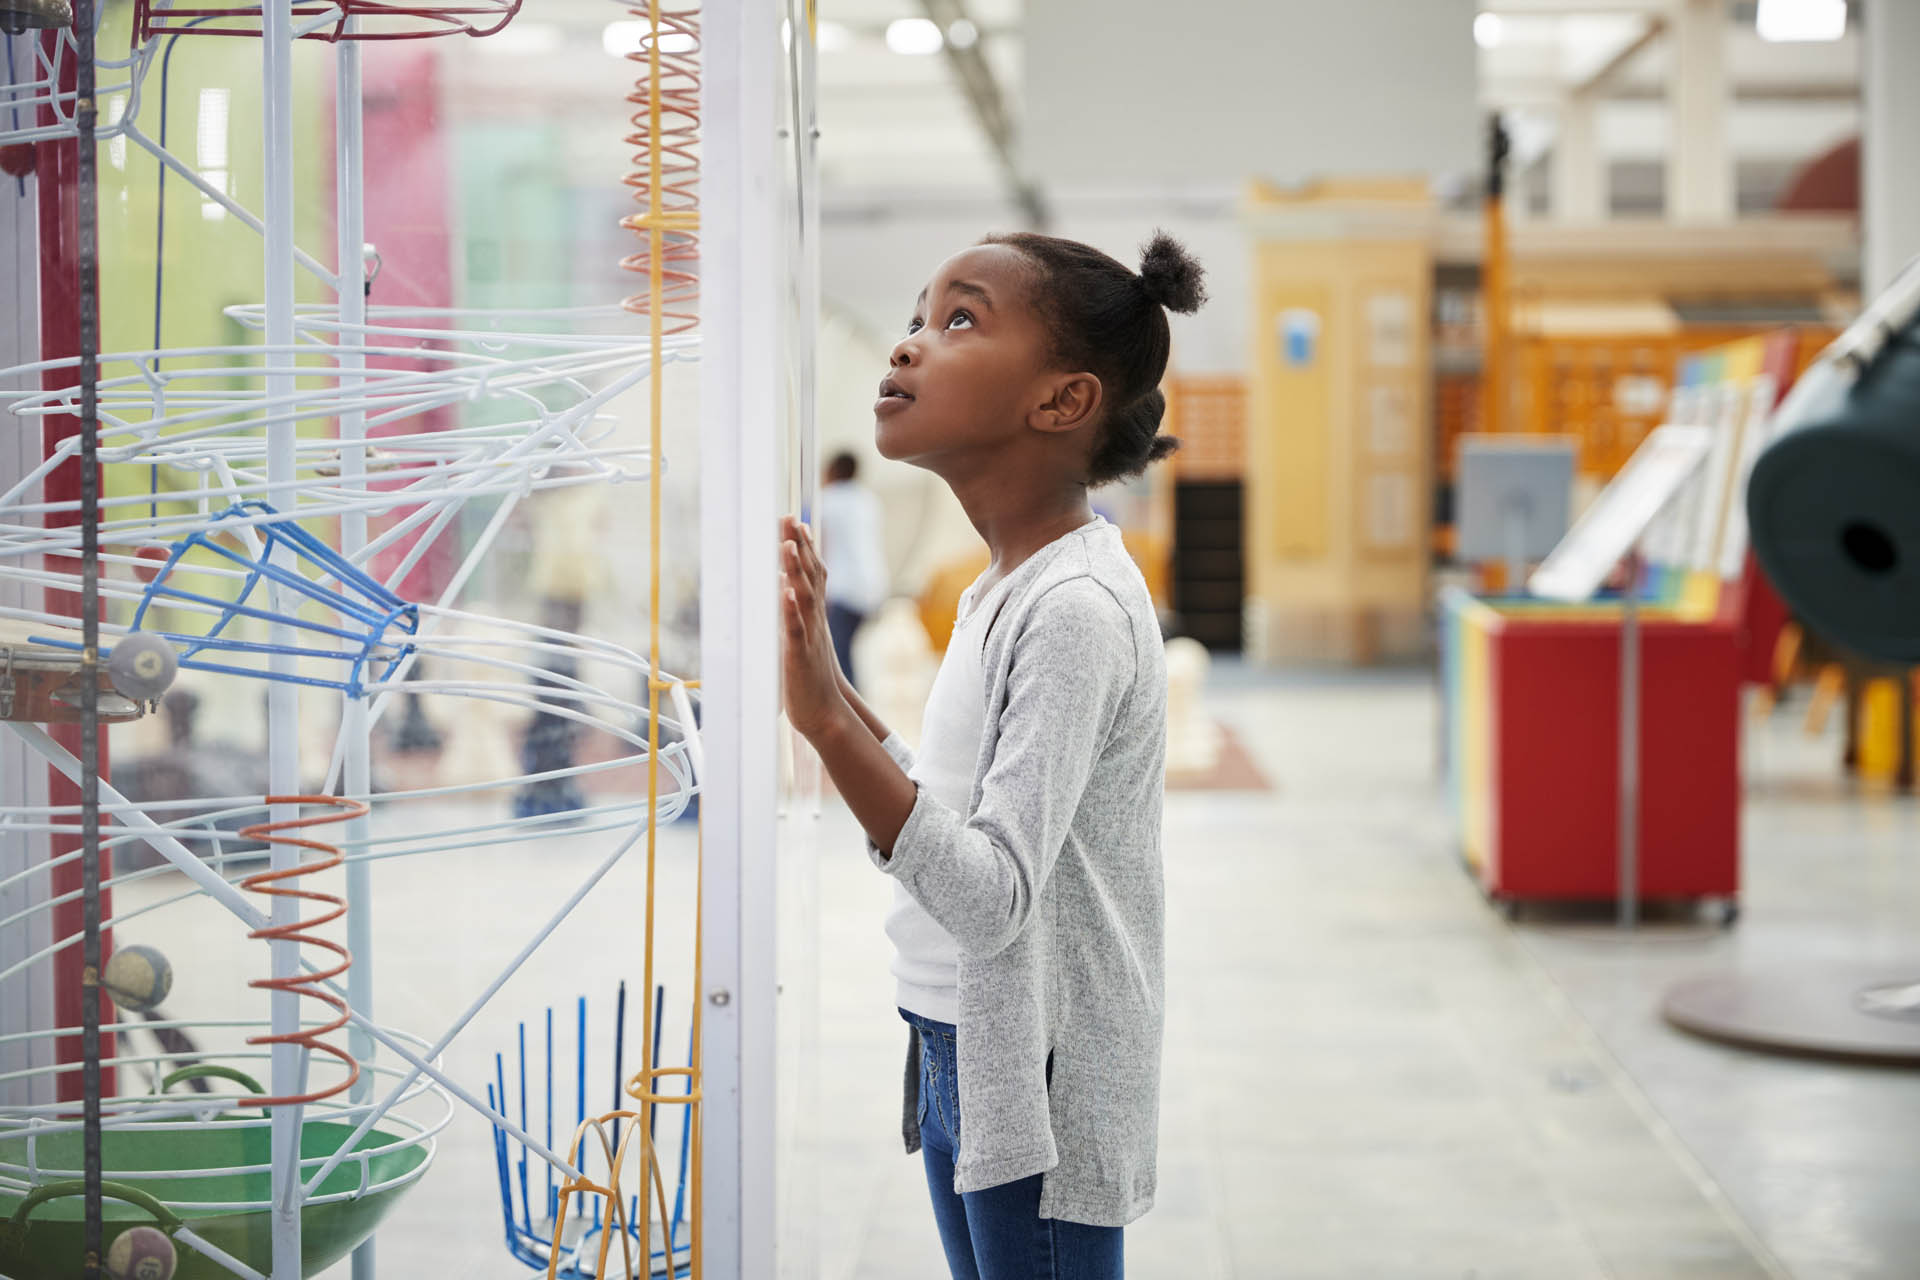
{"x": 1075, "y": 401}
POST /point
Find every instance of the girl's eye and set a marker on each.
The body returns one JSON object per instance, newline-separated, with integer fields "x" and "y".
{"x": 913, "y": 326}
{"x": 958, "y": 317}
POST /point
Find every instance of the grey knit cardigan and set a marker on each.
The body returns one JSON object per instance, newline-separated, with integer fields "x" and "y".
{"x": 1051, "y": 885}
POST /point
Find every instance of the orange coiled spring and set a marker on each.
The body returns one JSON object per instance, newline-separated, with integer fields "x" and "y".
{"x": 666, "y": 179}
{"x": 275, "y": 884}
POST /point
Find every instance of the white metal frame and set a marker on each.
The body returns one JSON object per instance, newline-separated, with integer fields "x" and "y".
{"x": 22, "y": 775}
{"x": 741, "y": 403}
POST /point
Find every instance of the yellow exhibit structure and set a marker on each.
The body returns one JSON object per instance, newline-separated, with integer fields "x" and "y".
{"x": 1339, "y": 463}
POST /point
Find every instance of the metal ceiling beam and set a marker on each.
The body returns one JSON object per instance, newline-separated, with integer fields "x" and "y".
{"x": 989, "y": 105}
{"x": 1655, "y": 27}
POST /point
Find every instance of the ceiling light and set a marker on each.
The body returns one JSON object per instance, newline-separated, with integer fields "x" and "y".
{"x": 1487, "y": 29}
{"x": 962, "y": 34}
{"x": 831, "y": 37}
{"x": 627, "y": 37}
{"x": 914, "y": 36}
{"x": 1788, "y": 20}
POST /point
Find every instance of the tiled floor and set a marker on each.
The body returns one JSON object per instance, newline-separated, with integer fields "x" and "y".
{"x": 1823, "y": 1159}
{"x": 1368, "y": 1073}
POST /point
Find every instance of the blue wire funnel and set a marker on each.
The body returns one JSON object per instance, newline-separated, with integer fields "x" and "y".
{"x": 367, "y": 631}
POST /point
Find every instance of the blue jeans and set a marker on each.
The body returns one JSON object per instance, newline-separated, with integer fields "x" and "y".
{"x": 998, "y": 1233}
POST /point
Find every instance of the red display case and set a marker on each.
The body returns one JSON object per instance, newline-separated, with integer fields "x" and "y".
{"x": 1533, "y": 753}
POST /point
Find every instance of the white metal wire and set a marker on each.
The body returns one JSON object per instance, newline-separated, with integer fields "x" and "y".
{"x": 25, "y": 93}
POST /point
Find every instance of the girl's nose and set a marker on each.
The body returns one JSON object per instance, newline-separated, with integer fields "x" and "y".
{"x": 903, "y": 353}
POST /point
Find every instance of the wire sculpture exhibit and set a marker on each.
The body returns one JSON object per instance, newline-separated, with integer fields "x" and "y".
{"x": 253, "y": 513}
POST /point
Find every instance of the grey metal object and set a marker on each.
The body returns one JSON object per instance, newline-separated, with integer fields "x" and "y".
{"x": 1515, "y": 499}
{"x": 1628, "y": 890}
{"x": 87, "y": 220}
{"x": 1834, "y": 508}
{"x": 1827, "y": 1011}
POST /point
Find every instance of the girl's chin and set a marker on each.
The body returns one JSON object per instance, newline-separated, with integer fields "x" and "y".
{"x": 887, "y": 441}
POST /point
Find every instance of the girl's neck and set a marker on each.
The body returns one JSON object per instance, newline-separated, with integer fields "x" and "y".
{"x": 1017, "y": 519}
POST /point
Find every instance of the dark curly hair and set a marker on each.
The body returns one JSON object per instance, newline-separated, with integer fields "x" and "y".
{"x": 1112, "y": 322}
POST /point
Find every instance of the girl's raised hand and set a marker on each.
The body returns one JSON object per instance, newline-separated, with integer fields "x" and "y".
{"x": 811, "y": 675}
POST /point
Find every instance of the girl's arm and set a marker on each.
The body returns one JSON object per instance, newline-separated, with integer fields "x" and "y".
{"x": 980, "y": 875}
{"x": 850, "y": 739}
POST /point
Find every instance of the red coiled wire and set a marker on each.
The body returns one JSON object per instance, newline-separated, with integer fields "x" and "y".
{"x": 380, "y": 19}
{"x": 674, "y": 38}
{"x": 276, "y": 884}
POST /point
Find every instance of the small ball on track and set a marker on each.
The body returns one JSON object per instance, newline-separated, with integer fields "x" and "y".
{"x": 142, "y": 666}
{"x": 137, "y": 978}
{"x": 141, "y": 1253}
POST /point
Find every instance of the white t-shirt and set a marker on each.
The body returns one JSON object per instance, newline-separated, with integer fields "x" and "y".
{"x": 926, "y": 960}
{"x": 850, "y": 546}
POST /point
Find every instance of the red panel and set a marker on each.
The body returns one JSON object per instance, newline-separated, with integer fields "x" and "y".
{"x": 57, "y": 167}
{"x": 409, "y": 220}
{"x": 1762, "y": 617}
{"x": 1555, "y": 760}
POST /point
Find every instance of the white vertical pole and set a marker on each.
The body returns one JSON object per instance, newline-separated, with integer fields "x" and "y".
{"x": 283, "y": 699}
{"x": 350, "y": 220}
{"x": 741, "y": 372}
{"x": 1579, "y": 189}
{"x": 26, "y": 999}
{"x": 798, "y": 1120}
{"x": 1699, "y": 163}
{"x": 1890, "y": 143}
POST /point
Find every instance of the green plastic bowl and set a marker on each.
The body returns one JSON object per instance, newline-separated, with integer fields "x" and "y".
{"x": 46, "y": 1245}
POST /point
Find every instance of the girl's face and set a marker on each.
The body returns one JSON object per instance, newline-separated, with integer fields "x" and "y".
{"x": 971, "y": 374}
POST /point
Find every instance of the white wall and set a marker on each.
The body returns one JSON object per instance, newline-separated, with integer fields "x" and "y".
{"x": 1144, "y": 92}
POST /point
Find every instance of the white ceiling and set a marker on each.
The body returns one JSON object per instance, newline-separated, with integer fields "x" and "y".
{"x": 897, "y": 128}
{"x": 900, "y": 122}
{"x": 1542, "y": 56}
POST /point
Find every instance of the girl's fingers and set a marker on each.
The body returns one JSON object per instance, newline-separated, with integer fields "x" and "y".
{"x": 794, "y": 570}
{"x": 809, "y": 550}
{"x": 800, "y": 568}
{"x": 815, "y": 567}
{"x": 803, "y": 560}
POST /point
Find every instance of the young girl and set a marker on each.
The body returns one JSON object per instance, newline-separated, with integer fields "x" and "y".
{"x": 1024, "y": 841}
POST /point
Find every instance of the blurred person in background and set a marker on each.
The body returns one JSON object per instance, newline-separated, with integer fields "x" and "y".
{"x": 850, "y": 545}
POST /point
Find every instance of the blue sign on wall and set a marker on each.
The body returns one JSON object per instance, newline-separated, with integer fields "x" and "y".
{"x": 1299, "y": 336}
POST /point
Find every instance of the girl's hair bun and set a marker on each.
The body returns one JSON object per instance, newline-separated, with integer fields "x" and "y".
{"x": 1170, "y": 275}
